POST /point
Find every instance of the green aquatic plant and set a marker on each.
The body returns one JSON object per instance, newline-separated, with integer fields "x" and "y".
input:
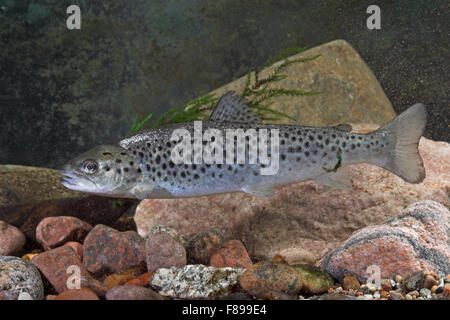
{"x": 257, "y": 94}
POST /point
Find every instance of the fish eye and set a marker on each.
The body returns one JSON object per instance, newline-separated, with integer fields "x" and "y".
{"x": 89, "y": 166}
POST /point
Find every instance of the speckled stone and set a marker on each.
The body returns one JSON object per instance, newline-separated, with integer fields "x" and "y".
{"x": 416, "y": 239}
{"x": 54, "y": 265}
{"x": 107, "y": 251}
{"x": 11, "y": 239}
{"x": 53, "y": 232}
{"x": 17, "y": 276}
{"x": 195, "y": 281}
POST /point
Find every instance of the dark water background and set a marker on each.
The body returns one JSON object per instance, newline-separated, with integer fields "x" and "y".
{"x": 62, "y": 91}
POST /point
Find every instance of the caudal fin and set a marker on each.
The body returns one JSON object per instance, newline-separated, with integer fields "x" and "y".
{"x": 406, "y": 130}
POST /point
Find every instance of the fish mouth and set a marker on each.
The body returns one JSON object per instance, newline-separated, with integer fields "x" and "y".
{"x": 72, "y": 180}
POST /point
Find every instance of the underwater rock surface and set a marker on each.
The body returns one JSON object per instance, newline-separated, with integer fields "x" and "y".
{"x": 416, "y": 239}
{"x": 304, "y": 221}
{"x": 32, "y": 194}
{"x": 195, "y": 281}
{"x": 18, "y": 276}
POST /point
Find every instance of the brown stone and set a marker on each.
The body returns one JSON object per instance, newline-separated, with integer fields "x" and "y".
{"x": 265, "y": 280}
{"x": 232, "y": 254}
{"x": 54, "y": 265}
{"x": 107, "y": 251}
{"x": 77, "y": 294}
{"x": 429, "y": 282}
{"x": 53, "y": 232}
{"x": 350, "y": 283}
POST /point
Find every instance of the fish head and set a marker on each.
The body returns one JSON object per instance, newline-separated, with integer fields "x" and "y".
{"x": 104, "y": 170}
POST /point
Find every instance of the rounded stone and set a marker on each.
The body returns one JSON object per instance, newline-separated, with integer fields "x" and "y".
{"x": 18, "y": 276}
{"x": 265, "y": 280}
{"x": 11, "y": 239}
{"x": 53, "y": 232}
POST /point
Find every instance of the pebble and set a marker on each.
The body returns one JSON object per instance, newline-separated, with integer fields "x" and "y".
{"x": 447, "y": 290}
{"x": 12, "y": 239}
{"x": 265, "y": 278}
{"x": 413, "y": 281}
{"x": 372, "y": 287}
{"x": 386, "y": 284}
{"x": 376, "y": 295}
{"x": 143, "y": 280}
{"x": 233, "y": 254}
{"x": 398, "y": 279}
{"x": 384, "y": 294}
{"x": 426, "y": 293}
{"x": 315, "y": 280}
{"x": 350, "y": 283}
{"x": 202, "y": 246}
{"x": 53, "y": 232}
{"x": 106, "y": 250}
{"x": 195, "y": 281}
{"x": 118, "y": 279}
{"x": 17, "y": 276}
{"x": 395, "y": 295}
{"x": 434, "y": 289}
{"x": 132, "y": 292}
{"x": 163, "y": 250}
{"x": 77, "y": 294}
{"x": 408, "y": 297}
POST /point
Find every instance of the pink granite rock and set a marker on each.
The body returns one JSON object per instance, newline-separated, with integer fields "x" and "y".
{"x": 106, "y": 250}
{"x": 53, "y": 232}
{"x": 162, "y": 250}
{"x": 304, "y": 221}
{"x": 11, "y": 239}
{"x": 62, "y": 266}
{"x": 416, "y": 239}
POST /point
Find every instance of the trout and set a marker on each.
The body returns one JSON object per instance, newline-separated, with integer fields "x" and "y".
{"x": 234, "y": 151}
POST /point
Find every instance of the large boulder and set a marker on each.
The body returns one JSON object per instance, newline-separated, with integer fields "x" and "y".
{"x": 30, "y": 194}
{"x": 304, "y": 221}
{"x": 416, "y": 239}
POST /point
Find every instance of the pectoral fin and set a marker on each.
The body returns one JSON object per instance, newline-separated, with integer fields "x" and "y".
{"x": 143, "y": 191}
{"x": 339, "y": 179}
{"x": 260, "y": 190}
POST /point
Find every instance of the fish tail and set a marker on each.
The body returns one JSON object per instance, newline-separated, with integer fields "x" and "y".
{"x": 403, "y": 156}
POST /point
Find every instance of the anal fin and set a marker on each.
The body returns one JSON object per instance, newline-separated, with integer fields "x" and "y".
{"x": 339, "y": 179}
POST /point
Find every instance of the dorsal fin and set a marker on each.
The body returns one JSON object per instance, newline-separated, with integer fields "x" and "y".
{"x": 232, "y": 108}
